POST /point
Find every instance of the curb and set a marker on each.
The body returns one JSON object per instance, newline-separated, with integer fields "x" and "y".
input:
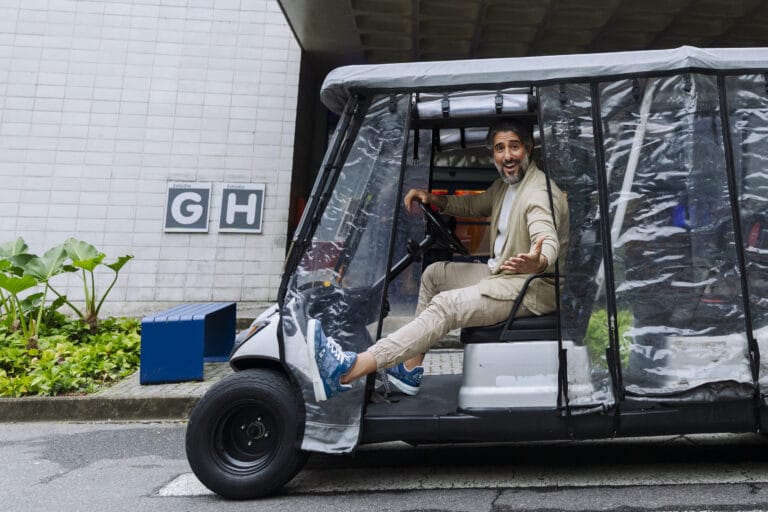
{"x": 94, "y": 408}
{"x": 128, "y": 400}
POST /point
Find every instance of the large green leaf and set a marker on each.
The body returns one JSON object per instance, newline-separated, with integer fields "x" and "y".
{"x": 16, "y": 285}
{"x": 50, "y": 264}
{"x": 20, "y": 261}
{"x": 13, "y": 248}
{"x": 31, "y": 302}
{"x": 15, "y": 251}
{"x": 83, "y": 254}
{"x": 122, "y": 260}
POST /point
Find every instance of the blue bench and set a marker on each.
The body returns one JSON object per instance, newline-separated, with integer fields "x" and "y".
{"x": 175, "y": 343}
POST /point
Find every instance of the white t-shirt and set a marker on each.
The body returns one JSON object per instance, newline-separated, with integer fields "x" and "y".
{"x": 503, "y": 228}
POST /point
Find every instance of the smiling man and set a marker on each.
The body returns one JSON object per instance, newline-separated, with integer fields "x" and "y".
{"x": 528, "y": 238}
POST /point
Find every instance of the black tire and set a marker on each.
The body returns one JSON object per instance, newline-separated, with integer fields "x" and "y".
{"x": 242, "y": 437}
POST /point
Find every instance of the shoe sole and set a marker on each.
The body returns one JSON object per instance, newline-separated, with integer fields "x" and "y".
{"x": 402, "y": 386}
{"x": 314, "y": 370}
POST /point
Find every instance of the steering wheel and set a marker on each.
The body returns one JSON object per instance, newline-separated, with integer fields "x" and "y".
{"x": 442, "y": 230}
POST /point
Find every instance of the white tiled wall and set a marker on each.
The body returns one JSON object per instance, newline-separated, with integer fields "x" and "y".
{"x": 103, "y": 102}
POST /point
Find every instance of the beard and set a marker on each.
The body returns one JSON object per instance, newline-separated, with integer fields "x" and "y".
{"x": 522, "y": 166}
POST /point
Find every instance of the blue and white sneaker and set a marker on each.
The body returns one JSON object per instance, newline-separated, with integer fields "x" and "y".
{"x": 404, "y": 380}
{"x": 327, "y": 362}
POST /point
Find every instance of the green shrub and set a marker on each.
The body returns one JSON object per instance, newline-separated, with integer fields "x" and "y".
{"x": 71, "y": 358}
{"x": 596, "y": 338}
{"x": 41, "y": 351}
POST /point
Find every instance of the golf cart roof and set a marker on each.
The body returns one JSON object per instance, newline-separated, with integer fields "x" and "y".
{"x": 432, "y": 76}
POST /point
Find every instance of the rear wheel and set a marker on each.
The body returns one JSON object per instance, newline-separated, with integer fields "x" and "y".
{"x": 242, "y": 436}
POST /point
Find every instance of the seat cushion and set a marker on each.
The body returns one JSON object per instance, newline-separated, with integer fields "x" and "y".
{"x": 531, "y": 328}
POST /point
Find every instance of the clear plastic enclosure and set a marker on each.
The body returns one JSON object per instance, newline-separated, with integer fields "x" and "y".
{"x": 674, "y": 254}
{"x": 569, "y": 147}
{"x": 747, "y": 98}
{"x": 655, "y": 202}
{"x": 403, "y": 291}
{"x": 340, "y": 279}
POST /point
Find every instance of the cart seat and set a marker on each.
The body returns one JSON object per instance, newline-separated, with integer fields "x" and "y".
{"x": 514, "y": 328}
{"x": 531, "y": 328}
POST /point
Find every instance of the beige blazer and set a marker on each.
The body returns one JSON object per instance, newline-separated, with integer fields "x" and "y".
{"x": 530, "y": 217}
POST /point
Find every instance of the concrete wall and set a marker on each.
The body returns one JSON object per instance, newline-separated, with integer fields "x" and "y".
{"x": 103, "y": 103}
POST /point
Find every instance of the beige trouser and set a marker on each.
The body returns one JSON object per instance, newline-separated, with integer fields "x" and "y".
{"x": 448, "y": 299}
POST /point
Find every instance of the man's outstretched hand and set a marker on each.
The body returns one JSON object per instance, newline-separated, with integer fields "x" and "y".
{"x": 528, "y": 263}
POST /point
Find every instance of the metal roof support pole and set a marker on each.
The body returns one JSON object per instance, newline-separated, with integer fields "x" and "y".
{"x": 629, "y": 173}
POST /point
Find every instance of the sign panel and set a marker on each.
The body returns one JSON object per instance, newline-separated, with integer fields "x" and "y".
{"x": 187, "y": 207}
{"x": 242, "y": 208}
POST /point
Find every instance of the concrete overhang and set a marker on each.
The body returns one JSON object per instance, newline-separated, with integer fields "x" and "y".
{"x": 340, "y": 32}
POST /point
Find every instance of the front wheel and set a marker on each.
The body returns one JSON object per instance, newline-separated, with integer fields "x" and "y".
{"x": 242, "y": 436}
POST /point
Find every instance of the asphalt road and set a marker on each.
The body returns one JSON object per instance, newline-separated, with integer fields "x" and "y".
{"x": 142, "y": 467}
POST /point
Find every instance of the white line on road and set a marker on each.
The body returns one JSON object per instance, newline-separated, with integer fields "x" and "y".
{"x": 331, "y": 474}
{"x": 319, "y": 481}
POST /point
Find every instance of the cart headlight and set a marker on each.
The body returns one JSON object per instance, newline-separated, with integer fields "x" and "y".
{"x": 247, "y": 334}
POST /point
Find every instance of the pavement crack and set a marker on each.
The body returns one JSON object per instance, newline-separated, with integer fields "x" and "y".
{"x": 47, "y": 480}
{"x": 494, "y": 506}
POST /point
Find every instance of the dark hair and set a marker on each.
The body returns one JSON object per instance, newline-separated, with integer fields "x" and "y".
{"x": 511, "y": 125}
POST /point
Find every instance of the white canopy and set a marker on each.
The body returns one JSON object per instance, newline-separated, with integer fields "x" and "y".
{"x": 530, "y": 70}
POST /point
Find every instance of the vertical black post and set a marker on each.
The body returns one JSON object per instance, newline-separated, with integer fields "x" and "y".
{"x": 613, "y": 355}
{"x": 562, "y": 386}
{"x": 754, "y": 350}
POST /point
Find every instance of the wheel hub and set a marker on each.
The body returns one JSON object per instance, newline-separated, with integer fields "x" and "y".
{"x": 256, "y": 430}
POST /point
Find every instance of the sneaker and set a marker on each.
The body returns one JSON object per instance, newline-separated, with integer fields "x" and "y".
{"x": 406, "y": 381}
{"x": 327, "y": 362}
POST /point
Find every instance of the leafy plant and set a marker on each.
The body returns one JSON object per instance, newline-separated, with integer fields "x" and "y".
{"x": 85, "y": 258}
{"x": 13, "y": 257}
{"x": 68, "y": 356}
{"x": 42, "y": 270}
{"x": 21, "y": 271}
{"x": 596, "y": 337}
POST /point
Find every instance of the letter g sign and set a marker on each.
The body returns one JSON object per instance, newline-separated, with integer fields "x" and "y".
{"x": 187, "y": 207}
{"x": 190, "y": 200}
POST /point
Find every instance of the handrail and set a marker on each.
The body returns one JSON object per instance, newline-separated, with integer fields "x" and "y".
{"x": 519, "y": 298}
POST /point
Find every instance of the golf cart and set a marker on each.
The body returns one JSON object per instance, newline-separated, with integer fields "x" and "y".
{"x": 662, "y": 309}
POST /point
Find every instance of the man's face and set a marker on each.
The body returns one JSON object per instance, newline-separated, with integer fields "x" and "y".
{"x": 510, "y": 156}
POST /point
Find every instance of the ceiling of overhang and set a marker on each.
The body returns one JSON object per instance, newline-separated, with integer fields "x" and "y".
{"x": 339, "y": 32}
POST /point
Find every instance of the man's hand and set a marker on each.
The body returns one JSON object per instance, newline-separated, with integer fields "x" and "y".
{"x": 424, "y": 197}
{"x": 528, "y": 263}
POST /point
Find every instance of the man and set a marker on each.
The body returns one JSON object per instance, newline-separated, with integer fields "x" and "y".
{"x": 526, "y": 241}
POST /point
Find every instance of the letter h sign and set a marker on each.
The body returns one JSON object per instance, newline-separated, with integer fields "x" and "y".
{"x": 242, "y": 207}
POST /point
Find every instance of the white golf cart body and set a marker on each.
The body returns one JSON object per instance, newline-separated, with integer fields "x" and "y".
{"x": 661, "y": 298}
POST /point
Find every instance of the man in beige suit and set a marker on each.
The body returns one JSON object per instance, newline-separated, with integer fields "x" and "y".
{"x": 527, "y": 239}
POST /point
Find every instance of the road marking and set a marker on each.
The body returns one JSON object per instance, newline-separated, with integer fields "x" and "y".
{"x": 373, "y": 479}
{"x": 186, "y": 484}
{"x": 403, "y": 468}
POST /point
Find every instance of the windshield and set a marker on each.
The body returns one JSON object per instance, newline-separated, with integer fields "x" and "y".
{"x": 340, "y": 279}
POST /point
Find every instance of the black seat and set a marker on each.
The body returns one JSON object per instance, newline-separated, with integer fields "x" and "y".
{"x": 530, "y": 328}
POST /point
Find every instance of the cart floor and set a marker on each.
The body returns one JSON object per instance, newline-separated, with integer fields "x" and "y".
{"x": 438, "y": 396}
